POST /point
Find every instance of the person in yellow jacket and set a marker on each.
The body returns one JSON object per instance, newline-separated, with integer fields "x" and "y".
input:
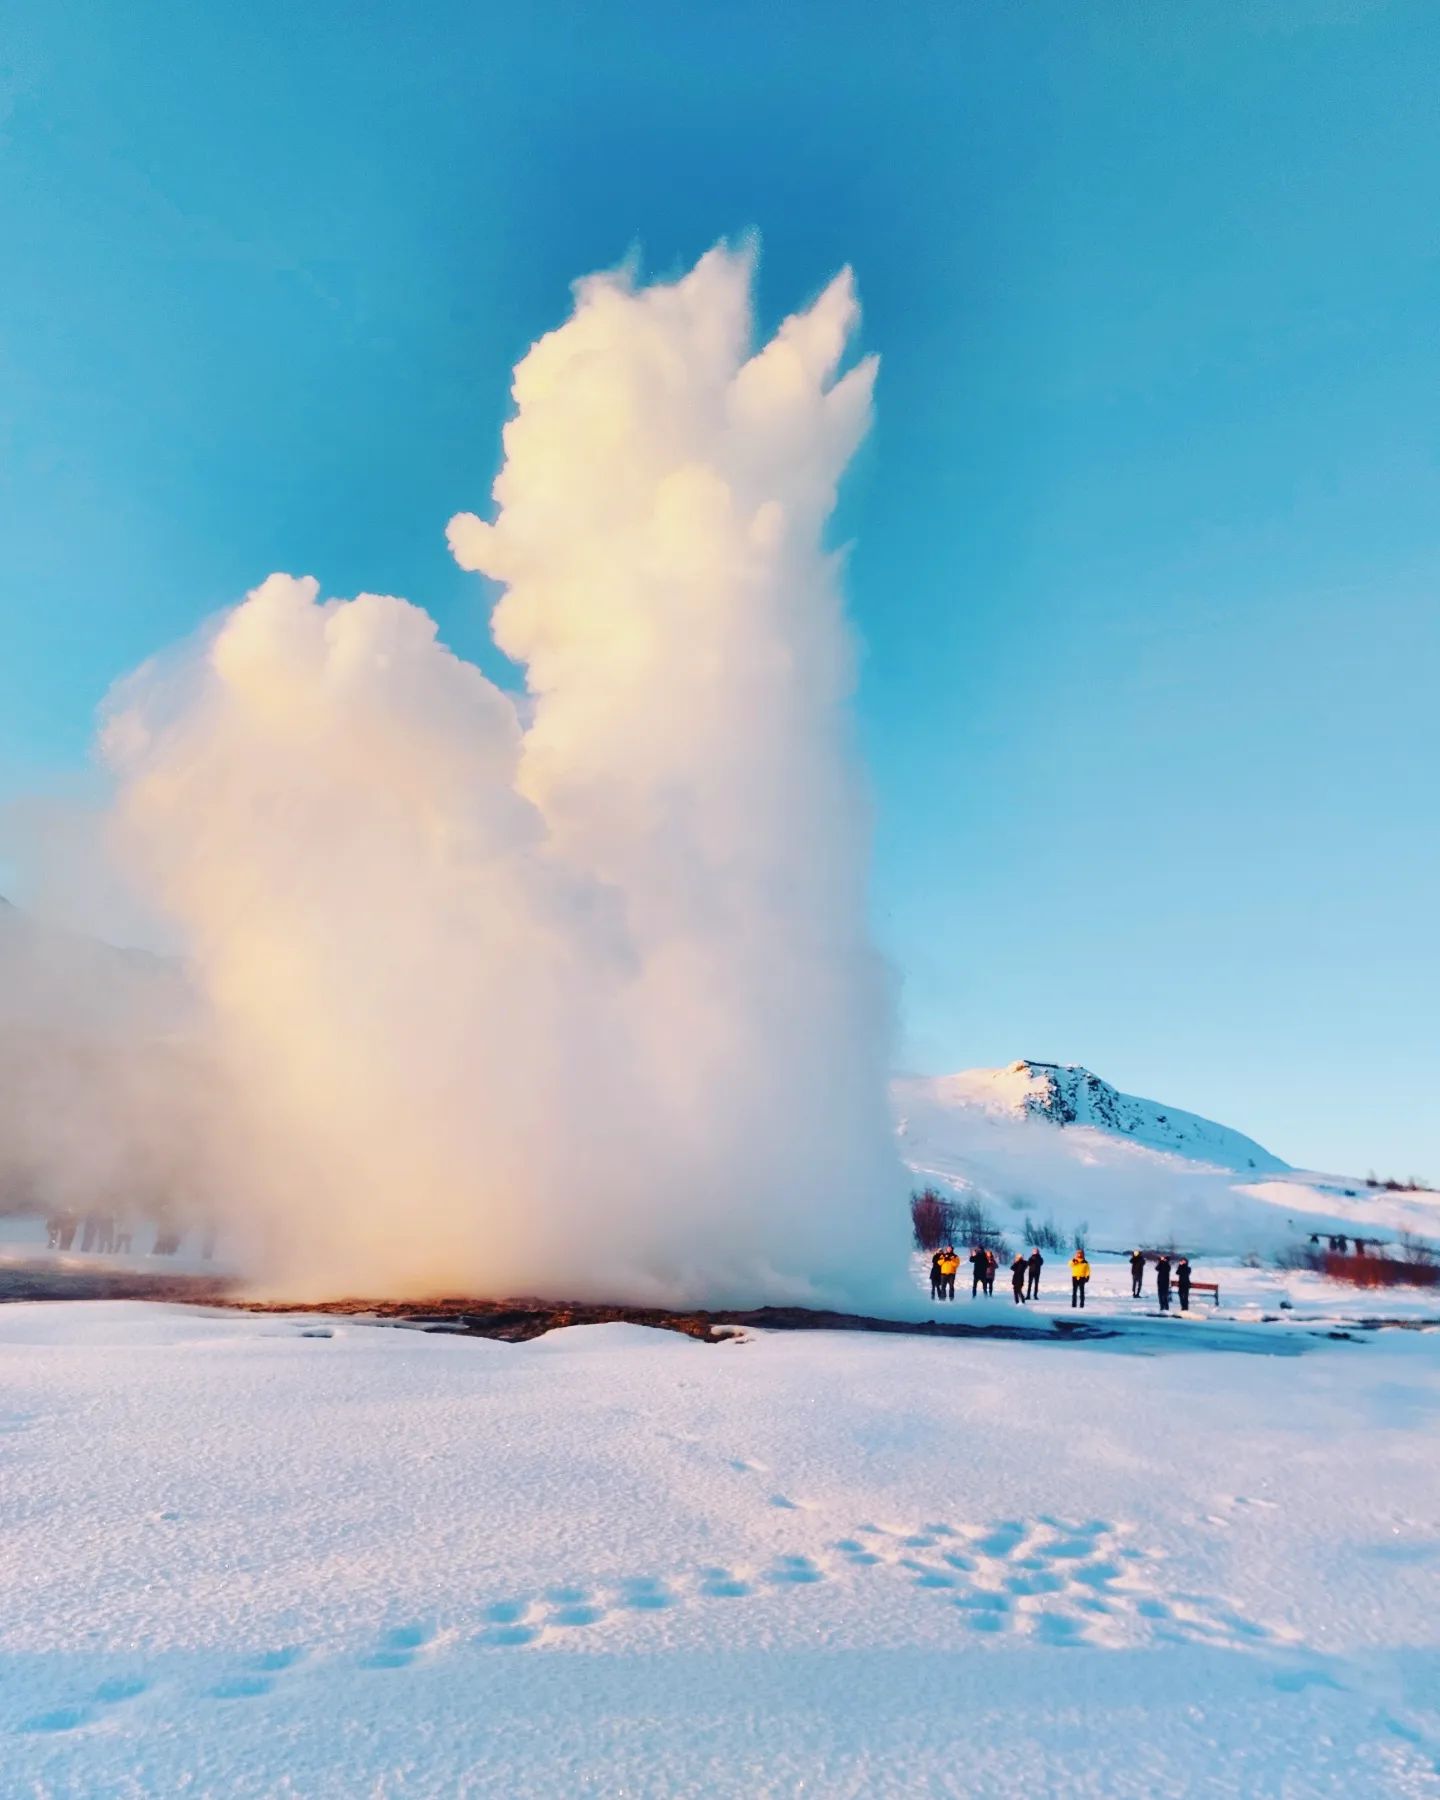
{"x": 1079, "y": 1276}
{"x": 949, "y": 1264}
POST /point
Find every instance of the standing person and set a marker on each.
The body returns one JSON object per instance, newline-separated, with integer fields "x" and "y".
{"x": 1034, "y": 1265}
{"x": 1018, "y": 1271}
{"x": 992, "y": 1263}
{"x": 977, "y": 1270}
{"x": 1079, "y": 1277}
{"x": 1162, "y": 1282}
{"x": 949, "y": 1267}
{"x": 937, "y": 1280}
{"x": 1182, "y": 1281}
{"x": 1137, "y": 1273}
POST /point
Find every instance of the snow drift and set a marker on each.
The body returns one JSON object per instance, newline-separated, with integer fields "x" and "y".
{"x": 570, "y": 995}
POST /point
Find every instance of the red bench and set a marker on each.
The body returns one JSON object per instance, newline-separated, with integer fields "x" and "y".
{"x": 1206, "y": 1287}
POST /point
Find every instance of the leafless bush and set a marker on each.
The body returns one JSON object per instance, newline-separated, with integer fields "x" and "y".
{"x": 930, "y": 1215}
{"x": 1044, "y": 1236}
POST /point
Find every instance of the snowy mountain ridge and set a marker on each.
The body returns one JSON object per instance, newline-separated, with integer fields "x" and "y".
{"x": 1053, "y": 1141}
{"x": 1068, "y": 1094}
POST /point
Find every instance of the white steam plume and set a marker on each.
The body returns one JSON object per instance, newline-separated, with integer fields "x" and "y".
{"x": 575, "y": 999}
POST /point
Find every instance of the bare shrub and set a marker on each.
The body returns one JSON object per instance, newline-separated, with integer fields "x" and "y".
{"x": 931, "y": 1218}
{"x": 1046, "y": 1235}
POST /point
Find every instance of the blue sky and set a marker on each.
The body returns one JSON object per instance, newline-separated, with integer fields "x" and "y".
{"x": 1145, "y": 540}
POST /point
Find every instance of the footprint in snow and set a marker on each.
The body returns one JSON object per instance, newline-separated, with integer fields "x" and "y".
{"x": 244, "y": 1687}
{"x": 111, "y": 1693}
{"x": 721, "y": 1584}
{"x": 61, "y": 1718}
{"x": 646, "y": 1593}
{"x": 398, "y": 1647}
{"x": 507, "y": 1625}
{"x": 1062, "y": 1582}
{"x": 792, "y": 1571}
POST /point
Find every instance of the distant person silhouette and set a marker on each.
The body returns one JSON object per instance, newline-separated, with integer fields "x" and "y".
{"x": 1137, "y": 1273}
{"x": 1162, "y": 1282}
{"x": 1034, "y": 1264}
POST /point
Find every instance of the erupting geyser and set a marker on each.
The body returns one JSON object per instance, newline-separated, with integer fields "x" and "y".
{"x": 573, "y": 996}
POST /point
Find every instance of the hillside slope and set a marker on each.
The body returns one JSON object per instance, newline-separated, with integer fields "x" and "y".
{"x": 1066, "y": 1094}
{"x": 1045, "y": 1142}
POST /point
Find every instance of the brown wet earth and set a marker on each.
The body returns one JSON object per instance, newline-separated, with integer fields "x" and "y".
{"x": 513, "y": 1320}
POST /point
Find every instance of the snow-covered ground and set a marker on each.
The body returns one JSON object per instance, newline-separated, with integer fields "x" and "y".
{"x": 1278, "y": 1299}
{"x": 239, "y": 1558}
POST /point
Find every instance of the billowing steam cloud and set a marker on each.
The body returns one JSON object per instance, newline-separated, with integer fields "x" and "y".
{"x": 574, "y": 996}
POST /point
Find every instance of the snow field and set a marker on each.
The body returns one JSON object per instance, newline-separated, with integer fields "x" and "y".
{"x": 236, "y": 1559}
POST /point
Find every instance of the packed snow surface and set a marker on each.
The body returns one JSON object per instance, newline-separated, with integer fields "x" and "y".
{"x": 249, "y": 1556}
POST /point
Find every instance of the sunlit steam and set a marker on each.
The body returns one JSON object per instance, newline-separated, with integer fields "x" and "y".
{"x": 572, "y": 996}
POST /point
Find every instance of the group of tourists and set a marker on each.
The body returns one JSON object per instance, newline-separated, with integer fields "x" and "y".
{"x": 1180, "y": 1271}
{"x": 1025, "y": 1275}
{"x": 112, "y": 1234}
{"x": 105, "y": 1233}
{"x": 984, "y": 1266}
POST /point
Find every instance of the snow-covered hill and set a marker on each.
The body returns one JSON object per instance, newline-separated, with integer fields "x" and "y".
{"x": 1066, "y": 1094}
{"x": 1045, "y": 1141}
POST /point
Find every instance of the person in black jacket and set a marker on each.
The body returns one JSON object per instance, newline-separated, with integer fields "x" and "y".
{"x": 1137, "y": 1272}
{"x": 1034, "y": 1264}
{"x": 992, "y": 1264}
{"x": 977, "y": 1268}
{"x": 1182, "y": 1281}
{"x": 1162, "y": 1282}
{"x": 937, "y": 1281}
{"x": 1018, "y": 1270}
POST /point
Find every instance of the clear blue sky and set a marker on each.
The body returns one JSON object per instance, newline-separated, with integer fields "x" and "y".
{"x": 1145, "y": 541}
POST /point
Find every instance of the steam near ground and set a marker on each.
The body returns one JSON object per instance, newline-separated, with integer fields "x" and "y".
{"x": 574, "y": 994}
